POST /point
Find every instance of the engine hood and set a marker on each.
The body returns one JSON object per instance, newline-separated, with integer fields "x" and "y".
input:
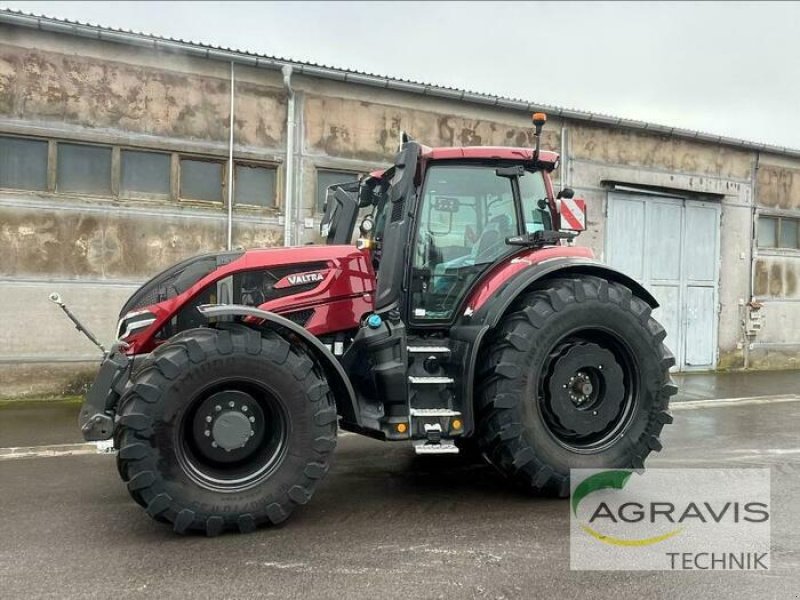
{"x": 290, "y": 281}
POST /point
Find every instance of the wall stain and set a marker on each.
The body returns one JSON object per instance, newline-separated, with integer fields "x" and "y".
{"x": 761, "y": 286}
{"x": 778, "y": 187}
{"x": 111, "y": 246}
{"x": 374, "y": 128}
{"x": 447, "y": 131}
{"x": 37, "y": 85}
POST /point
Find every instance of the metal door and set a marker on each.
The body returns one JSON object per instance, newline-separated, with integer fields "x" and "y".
{"x": 671, "y": 246}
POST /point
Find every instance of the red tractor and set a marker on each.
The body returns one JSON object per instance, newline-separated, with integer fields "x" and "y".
{"x": 463, "y": 316}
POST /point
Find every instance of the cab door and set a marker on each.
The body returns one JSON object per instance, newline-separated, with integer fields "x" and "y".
{"x": 466, "y": 212}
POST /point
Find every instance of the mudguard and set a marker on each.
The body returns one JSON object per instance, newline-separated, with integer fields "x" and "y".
{"x": 472, "y": 328}
{"x": 490, "y": 313}
{"x": 335, "y": 373}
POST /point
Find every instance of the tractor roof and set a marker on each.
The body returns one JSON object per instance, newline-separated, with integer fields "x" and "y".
{"x": 489, "y": 152}
{"x": 546, "y": 157}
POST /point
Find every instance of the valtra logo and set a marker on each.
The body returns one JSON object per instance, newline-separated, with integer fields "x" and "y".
{"x": 301, "y": 279}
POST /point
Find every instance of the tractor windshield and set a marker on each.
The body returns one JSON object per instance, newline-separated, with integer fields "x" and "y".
{"x": 466, "y": 214}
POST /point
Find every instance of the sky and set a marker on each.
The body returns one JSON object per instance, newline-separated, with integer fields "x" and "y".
{"x": 725, "y": 68}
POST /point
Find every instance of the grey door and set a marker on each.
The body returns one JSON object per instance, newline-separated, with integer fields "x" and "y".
{"x": 671, "y": 245}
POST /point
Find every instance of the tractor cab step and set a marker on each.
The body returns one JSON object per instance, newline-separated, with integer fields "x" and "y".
{"x": 434, "y": 412}
{"x": 423, "y": 380}
{"x": 434, "y": 430}
{"x": 429, "y": 350}
{"x": 442, "y": 447}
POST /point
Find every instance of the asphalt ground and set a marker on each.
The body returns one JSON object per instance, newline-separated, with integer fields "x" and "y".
{"x": 384, "y": 524}
{"x": 31, "y": 423}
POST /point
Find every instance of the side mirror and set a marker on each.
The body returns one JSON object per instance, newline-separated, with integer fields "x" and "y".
{"x": 572, "y": 212}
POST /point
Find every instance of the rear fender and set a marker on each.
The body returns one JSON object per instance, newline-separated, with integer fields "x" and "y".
{"x": 493, "y": 309}
{"x": 335, "y": 374}
{"x": 473, "y": 328}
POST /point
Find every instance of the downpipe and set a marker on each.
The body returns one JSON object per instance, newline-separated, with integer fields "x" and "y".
{"x": 288, "y": 200}
{"x": 230, "y": 165}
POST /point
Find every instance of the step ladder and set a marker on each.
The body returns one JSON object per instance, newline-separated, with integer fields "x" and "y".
{"x": 433, "y": 421}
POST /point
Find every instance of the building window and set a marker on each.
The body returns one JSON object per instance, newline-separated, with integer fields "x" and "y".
{"x": 326, "y": 179}
{"x": 144, "y": 173}
{"x": 788, "y": 233}
{"x": 778, "y": 232}
{"x": 69, "y": 167}
{"x": 254, "y": 186}
{"x": 23, "y": 164}
{"x": 201, "y": 180}
{"x": 84, "y": 169}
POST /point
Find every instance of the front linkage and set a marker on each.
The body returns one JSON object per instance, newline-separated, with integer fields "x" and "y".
{"x": 96, "y": 417}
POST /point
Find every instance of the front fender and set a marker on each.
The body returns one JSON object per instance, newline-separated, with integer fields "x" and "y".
{"x": 491, "y": 311}
{"x": 335, "y": 373}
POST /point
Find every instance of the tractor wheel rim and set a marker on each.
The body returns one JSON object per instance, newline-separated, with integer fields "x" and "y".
{"x": 588, "y": 391}
{"x": 233, "y": 436}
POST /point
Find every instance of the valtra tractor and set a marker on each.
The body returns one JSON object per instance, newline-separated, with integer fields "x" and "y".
{"x": 463, "y": 316}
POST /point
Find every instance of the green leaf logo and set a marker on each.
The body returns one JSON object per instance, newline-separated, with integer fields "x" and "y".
{"x": 612, "y": 480}
{"x": 599, "y": 481}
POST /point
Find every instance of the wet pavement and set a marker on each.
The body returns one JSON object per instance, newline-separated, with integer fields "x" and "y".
{"x": 384, "y": 523}
{"x": 39, "y": 422}
{"x": 43, "y": 422}
{"x": 738, "y": 384}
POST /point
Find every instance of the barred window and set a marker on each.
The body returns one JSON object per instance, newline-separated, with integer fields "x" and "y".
{"x": 105, "y": 170}
{"x": 201, "y": 180}
{"x": 144, "y": 173}
{"x": 23, "y": 164}
{"x": 778, "y": 232}
{"x": 84, "y": 169}
{"x": 254, "y": 186}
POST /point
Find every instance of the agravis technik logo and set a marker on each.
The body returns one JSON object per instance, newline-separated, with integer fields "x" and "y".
{"x": 672, "y": 519}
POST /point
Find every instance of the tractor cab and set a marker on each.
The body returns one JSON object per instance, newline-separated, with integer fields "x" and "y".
{"x": 447, "y": 215}
{"x": 439, "y": 221}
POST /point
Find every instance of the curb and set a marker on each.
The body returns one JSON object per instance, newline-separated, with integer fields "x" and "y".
{"x": 718, "y": 402}
{"x": 54, "y": 450}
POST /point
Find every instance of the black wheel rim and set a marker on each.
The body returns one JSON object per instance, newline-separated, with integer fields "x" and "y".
{"x": 232, "y": 436}
{"x": 589, "y": 390}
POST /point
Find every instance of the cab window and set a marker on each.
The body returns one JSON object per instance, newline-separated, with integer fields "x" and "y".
{"x": 466, "y": 214}
{"x": 535, "y": 207}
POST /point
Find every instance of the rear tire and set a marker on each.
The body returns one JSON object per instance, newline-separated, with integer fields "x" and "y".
{"x": 575, "y": 376}
{"x": 225, "y": 429}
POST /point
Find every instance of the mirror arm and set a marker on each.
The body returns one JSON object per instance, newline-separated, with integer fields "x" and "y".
{"x": 538, "y": 239}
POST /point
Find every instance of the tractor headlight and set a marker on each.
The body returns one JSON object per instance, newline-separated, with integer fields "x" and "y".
{"x": 134, "y": 321}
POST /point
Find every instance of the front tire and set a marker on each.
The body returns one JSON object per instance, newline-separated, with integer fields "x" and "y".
{"x": 575, "y": 376}
{"x": 225, "y": 429}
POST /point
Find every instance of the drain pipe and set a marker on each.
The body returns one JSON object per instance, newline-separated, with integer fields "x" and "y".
{"x": 230, "y": 167}
{"x": 746, "y": 339}
{"x": 564, "y": 175}
{"x": 288, "y": 200}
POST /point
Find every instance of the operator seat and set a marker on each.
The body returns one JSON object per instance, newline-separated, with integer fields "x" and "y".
{"x": 492, "y": 238}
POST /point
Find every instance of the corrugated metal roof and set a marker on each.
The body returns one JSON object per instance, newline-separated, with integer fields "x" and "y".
{"x": 202, "y": 50}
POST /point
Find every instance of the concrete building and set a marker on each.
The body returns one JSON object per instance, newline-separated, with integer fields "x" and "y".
{"x": 115, "y": 161}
